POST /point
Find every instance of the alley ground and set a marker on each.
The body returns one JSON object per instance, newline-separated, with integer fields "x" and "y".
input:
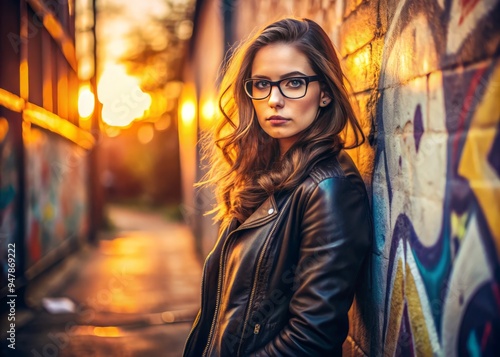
{"x": 136, "y": 294}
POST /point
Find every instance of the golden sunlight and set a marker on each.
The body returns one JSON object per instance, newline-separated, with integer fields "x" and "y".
{"x": 122, "y": 98}
{"x": 86, "y": 101}
{"x": 188, "y": 112}
{"x": 208, "y": 110}
{"x": 207, "y": 113}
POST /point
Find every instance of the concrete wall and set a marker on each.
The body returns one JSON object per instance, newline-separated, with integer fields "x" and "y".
{"x": 425, "y": 76}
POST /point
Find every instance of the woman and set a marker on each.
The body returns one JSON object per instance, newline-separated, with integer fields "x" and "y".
{"x": 294, "y": 214}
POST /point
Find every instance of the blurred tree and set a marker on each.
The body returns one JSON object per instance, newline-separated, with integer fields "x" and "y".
{"x": 152, "y": 47}
{"x": 160, "y": 46}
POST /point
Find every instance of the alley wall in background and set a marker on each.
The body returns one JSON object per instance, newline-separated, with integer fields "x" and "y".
{"x": 45, "y": 205}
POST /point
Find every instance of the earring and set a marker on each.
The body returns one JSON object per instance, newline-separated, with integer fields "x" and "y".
{"x": 324, "y": 102}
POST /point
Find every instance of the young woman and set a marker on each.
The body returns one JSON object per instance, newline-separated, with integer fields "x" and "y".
{"x": 293, "y": 209}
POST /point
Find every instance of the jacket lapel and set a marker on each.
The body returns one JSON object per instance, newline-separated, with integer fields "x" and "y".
{"x": 266, "y": 212}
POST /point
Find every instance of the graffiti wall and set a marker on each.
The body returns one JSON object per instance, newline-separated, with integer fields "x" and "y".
{"x": 426, "y": 77}
{"x": 9, "y": 189}
{"x": 57, "y": 194}
{"x": 436, "y": 180}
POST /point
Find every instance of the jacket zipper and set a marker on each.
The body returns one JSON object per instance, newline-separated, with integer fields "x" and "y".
{"x": 254, "y": 288}
{"x": 219, "y": 283}
{"x": 195, "y": 325}
{"x": 219, "y": 291}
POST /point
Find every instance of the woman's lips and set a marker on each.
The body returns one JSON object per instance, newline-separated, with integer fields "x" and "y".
{"x": 277, "y": 120}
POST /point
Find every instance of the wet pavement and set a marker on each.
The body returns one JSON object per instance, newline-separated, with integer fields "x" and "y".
{"x": 136, "y": 294}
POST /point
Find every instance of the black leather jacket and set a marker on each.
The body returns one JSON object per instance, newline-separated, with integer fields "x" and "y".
{"x": 282, "y": 282}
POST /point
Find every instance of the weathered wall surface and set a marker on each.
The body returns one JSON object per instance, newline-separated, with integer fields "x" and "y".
{"x": 9, "y": 196}
{"x": 44, "y": 147}
{"x": 426, "y": 78}
{"x": 57, "y": 194}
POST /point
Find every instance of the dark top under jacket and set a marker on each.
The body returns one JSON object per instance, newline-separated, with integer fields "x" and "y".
{"x": 282, "y": 282}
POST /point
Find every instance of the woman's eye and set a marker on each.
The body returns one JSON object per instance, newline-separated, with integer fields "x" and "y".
{"x": 295, "y": 82}
{"x": 261, "y": 84}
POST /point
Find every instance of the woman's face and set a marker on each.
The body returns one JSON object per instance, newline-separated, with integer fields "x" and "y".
{"x": 280, "y": 117}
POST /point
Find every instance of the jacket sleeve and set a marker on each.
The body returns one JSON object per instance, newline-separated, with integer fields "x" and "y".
{"x": 335, "y": 238}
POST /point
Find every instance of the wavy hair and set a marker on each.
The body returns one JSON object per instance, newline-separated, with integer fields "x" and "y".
{"x": 244, "y": 162}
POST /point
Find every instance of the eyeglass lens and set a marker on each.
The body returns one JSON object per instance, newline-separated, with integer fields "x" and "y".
{"x": 289, "y": 87}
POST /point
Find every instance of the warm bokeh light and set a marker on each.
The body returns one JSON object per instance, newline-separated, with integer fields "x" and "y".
{"x": 184, "y": 30}
{"x": 121, "y": 96}
{"x": 33, "y": 114}
{"x": 158, "y": 105}
{"x": 207, "y": 113}
{"x": 111, "y": 131}
{"x": 188, "y": 112}
{"x": 4, "y": 128}
{"x": 145, "y": 134}
{"x": 11, "y": 101}
{"x": 86, "y": 101}
{"x": 107, "y": 331}
{"x": 168, "y": 317}
{"x": 163, "y": 123}
{"x": 208, "y": 110}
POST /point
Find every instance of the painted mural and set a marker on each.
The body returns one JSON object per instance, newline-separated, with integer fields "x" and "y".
{"x": 57, "y": 201}
{"x": 436, "y": 182}
{"x": 8, "y": 196}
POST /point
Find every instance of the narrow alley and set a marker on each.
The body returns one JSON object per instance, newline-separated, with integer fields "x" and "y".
{"x": 136, "y": 294}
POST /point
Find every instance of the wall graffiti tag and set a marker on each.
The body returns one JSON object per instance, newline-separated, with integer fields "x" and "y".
{"x": 437, "y": 183}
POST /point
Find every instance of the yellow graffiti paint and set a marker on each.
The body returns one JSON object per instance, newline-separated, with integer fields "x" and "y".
{"x": 474, "y": 166}
{"x": 421, "y": 339}
{"x": 48, "y": 212}
{"x": 458, "y": 224}
{"x": 396, "y": 312}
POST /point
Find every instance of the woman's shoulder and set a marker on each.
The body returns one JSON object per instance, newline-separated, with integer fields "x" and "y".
{"x": 336, "y": 169}
{"x": 338, "y": 165}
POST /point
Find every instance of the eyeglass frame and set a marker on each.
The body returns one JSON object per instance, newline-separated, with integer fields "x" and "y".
{"x": 272, "y": 84}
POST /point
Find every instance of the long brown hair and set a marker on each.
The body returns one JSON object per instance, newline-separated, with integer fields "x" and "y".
{"x": 244, "y": 162}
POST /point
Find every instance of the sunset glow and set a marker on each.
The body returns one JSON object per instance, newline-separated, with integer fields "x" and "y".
{"x": 122, "y": 98}
{"x": 86, "y": 101}
{"x": 188, "y": 112}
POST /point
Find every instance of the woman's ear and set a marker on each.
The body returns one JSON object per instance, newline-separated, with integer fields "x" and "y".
{"x": 325, "y": 99}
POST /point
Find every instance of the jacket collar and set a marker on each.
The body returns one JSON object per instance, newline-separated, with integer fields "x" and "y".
{"x": 266, "y": 212}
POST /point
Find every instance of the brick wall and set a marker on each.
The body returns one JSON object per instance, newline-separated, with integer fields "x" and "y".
{"x": 425, "y": 77}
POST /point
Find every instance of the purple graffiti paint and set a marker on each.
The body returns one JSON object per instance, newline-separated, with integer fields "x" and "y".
{"x": 418, "y": 126}
{"x": 405, "y": 345}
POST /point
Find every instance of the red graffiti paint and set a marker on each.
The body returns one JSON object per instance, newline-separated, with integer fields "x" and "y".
{"x": 468, "y": 102}
{"x": 466, "y": 7}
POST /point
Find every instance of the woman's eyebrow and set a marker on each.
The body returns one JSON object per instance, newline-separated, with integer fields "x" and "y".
{"x": 286, "y": 75}
{"x": 294, "y": 73}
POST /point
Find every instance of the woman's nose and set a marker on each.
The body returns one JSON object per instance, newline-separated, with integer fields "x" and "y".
{"x": 275, "y": 97}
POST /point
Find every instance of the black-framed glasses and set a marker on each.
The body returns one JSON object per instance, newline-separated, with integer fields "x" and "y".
{"x": 292, "y": 87}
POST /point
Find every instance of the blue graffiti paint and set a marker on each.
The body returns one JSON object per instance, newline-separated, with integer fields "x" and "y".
{"x": 480, "y": 327}
{"x": 473, "y": 346}
{"x": 434, "y": 265}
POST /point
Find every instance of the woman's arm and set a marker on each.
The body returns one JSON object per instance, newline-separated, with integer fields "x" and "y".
{"x": 336, "y": 237}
